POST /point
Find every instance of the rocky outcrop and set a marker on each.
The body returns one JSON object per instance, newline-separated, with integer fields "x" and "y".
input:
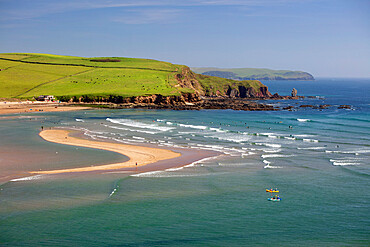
{"x": 250, "y": 92}
{"x": 344, "y": 107}
{"x": 264, "y": 92}
{"x": 294, "y": 92}
{"x": 205, "y": 85}
{"x": 234, "y": 104}
{"x": 317, "y": 107}
{"x": 156, "y": 99}
{"x": 187, "y": 79}
{"x": 190, "y": 101}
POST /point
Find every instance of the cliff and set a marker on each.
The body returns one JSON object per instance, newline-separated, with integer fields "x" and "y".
{"x": 205, "y": 85}
{"x": 119, "y": 80}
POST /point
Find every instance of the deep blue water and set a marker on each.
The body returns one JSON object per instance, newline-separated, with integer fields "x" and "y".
{"x": 336, "y": 91}
{"x": 320, "y": 165}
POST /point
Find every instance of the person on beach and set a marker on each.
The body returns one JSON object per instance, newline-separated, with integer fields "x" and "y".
{"x": 136, "y": 166}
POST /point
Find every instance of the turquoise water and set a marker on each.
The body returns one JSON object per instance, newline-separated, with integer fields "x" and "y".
{"x": 320, "y": 165}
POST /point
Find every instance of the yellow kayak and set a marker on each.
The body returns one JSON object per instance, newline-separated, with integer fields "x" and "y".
{"x": 272, "y": 191}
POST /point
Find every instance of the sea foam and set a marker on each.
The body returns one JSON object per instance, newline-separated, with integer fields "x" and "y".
{"x": 27, "y": 178}
{"x": 345, "y": 162}
{"x": 303, "y": 120}
{"x": 275, "y": 156}
{"x": 311, "y": 148}
{"x": 268, "y": 166}
{"x": 201, "y": 127}
{"x": 137, "y": 124}
{"x": 272, "y": 145}
{"x": 310, "y": 140}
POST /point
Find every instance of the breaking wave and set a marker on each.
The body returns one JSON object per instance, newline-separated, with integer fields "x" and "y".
{"x": 201, "y": 127}
{"x": 303, "y": 120}
{"x": 345, "y": 162}
{"x": 268, "y": 166}
{"x": 275, "y": 156}
{"x": 27, "y": 178}
{"x": 137, "y": 124}
{"x": 310, "y": 140}
{"x": 311, "y": 148}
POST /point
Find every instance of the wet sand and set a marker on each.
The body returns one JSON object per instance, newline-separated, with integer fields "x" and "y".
{"x": 139, "y": 155}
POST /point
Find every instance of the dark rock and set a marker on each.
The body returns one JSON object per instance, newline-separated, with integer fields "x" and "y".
{"x": 276, "y": 96}
{"x": 265, "y": 92}
{"x": 324, "y": 106}
{"x": 233, "y": 92}
{"x": 344, "y": 107}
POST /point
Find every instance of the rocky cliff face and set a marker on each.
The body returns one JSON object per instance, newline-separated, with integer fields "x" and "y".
{"x": 231, "y": 95}
{"x": 155, "y": 99}
{"x": 187, "y": 79}
{"x": 248, "y": 92}
{"x": 166, "y": 100}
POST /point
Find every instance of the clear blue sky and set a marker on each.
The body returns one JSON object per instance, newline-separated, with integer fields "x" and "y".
{"x": 328, "y": 38}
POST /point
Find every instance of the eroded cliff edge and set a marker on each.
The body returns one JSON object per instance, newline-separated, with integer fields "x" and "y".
{"x": 197, "y": 92}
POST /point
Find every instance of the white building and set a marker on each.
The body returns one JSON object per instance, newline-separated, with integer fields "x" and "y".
{"x": 46, "y": 98}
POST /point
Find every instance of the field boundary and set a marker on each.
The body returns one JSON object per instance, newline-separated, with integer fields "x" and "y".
{"x": 44, "y": 83}
{"x": 83, "y": 65}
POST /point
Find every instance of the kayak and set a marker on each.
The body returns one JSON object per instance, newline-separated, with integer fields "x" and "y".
{"x": 272, "y": 191}
{"x": 274, "y": 199}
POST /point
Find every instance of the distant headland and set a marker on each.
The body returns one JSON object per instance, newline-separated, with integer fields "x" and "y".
{"x": 255, "y": 74}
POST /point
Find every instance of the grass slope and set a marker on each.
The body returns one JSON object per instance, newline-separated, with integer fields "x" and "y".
{"x": 27, "y": 75}
{"x": 257, "y": 74}
{"x": 88, "y": 62}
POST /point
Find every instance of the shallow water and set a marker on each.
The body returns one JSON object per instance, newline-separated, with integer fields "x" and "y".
{"x": 320, "y": 165}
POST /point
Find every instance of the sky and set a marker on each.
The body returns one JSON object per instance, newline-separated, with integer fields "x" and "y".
{"x": 327, "y": 38}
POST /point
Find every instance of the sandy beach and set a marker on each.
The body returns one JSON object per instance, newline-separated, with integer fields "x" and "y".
{"x": 137, "y": 154}
{"x": 38, "y": 106}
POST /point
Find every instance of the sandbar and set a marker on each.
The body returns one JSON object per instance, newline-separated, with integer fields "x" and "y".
{"x": 137, "y": 154}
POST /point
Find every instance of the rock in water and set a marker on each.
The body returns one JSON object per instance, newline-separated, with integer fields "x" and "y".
{"x": 294, "y": 92}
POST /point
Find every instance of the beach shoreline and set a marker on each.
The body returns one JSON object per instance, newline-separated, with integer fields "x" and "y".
{"x": 37, "y": 106}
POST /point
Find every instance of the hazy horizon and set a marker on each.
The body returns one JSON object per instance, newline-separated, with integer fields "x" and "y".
{"x": 325, "y": 38}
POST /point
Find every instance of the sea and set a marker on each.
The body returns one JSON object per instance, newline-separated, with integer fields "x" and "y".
{"x": 319, "y": 160}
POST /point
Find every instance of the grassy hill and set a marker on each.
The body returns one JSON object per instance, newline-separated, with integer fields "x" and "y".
{"x": 254, "y": 74}
{"x": 26, "y": 75}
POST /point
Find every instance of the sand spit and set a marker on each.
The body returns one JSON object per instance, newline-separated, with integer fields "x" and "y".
{"x": 137, "y": 154}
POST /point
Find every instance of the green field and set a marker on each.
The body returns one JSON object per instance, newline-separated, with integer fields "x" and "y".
{"x": 31, "y": 75}
{"x": 26, "y": 75}
{"x": 18, "y": 78}
{"x": 108, "y": 81}
{"x": 81, "y": 61}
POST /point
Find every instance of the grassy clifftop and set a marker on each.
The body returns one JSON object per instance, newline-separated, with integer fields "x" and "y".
{"x": 26, "y": 75}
